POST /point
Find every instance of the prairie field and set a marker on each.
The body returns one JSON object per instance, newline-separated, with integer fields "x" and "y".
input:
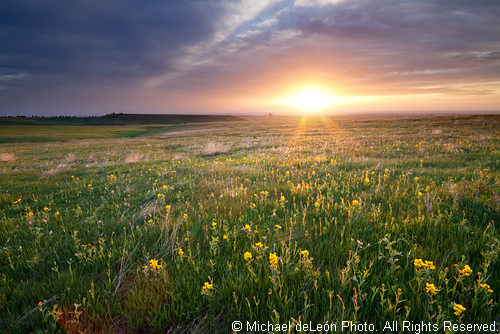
{"x": 159, "y": 228}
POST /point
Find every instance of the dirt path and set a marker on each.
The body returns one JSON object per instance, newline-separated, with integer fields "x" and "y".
{"x": 171, "y": 133}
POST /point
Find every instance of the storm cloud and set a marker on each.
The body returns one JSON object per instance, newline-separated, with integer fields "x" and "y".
{"x": 94, "y": 57}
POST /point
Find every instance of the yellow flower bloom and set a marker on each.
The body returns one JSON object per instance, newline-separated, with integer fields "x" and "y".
{"x": 153, "y": 263}
{"x": 418, "y": 263}
{"x": 225, "y": 237}
{"x": 355, "y": 202}
{"x": 431, "y": 288}
{"x": 259, "y": 244}
{"x": 421, "y": 264}
{"x": 57, "y": 213}
{"x": 247, "y": 255}
{"x": 416, "y": 178}
{"x": 367, "y": 180}
{"x": 30, "y": 214}
{"x": 429, "y": 265}
{"x": 316, "y": 204}
{"x": 282, "y": 199}
{"x": 278, "y": 227}
{"x": 486, "y": 287}
{"x": 164, "y": 187}
{"x": 420, "y": 194}
{"x": 458, "y": 309}
{"x": 467, "y": 271}
{"x": 168, "y": 207}
{"x": 45, "y": 208}
{"x": 180, "y": 252}
{"x": 214, "y": 224}
{"x": 305, "y": 252}
{"x": 273, "y": 260}
{"x": 247, "y": 228}
{"x": 205, "y": 289}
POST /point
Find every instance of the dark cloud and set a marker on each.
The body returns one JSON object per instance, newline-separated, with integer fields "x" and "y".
{"x": 92, "y": 54}
{"x": 95, "y": 39}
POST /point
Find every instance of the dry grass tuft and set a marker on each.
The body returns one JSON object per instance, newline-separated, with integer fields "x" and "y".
{"x": 7, "y": 157}
{"x": 215, "y": 148}
{"x": 133, "y": 158}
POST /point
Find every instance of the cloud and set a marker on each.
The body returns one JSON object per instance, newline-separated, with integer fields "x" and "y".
{"x": 156, "y": 55}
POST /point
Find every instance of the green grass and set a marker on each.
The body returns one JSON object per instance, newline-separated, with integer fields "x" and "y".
{"x": 83, "y": 210}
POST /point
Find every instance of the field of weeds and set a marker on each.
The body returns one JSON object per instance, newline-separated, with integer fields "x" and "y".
{"x": 290, "y": 220}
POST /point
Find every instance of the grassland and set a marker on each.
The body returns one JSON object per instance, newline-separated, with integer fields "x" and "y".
{"x": 126, "y": 229}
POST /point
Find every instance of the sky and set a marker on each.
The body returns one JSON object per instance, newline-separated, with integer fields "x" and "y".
{"x": 93, "y": 57}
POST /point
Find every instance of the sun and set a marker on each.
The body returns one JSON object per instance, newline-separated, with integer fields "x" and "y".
{"x": 310, "y": 99}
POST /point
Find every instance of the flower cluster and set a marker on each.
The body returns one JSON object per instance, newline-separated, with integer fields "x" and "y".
{"x": 467, "y": 271}
{"x": 273, "y": 260}
{"x": 458, "y": 309}
{"x": 206, "y": 288}
{"x": 153, "y": 264}
{"x": 431, "y": 288}
{"x": 424, "y": 264}
{"x": 486, "y": 287}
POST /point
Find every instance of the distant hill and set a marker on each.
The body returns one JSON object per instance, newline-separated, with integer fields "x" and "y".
{"x": 118, "y": 119}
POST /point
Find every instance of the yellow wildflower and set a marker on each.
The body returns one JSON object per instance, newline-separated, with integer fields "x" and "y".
{"x": 367, "y": 180}
{"x": 30, "y": 214}
{"x": 214, "y": 224}
{"x": 431, "y": 288}
{"x": 273, "y": 260}
{"x": 45, "y": 208}
{"x": 419, "y": 194}
{"x": 247, "y": 228}
{"x": 486, "y": 287}
{"x": 458, "y": 308}
{"x": 421, "y": 264}
{"x": 305, "y": 252}
{"x": 316, "y": 204}
{"x": 259, "y": 244}
{"x": 429, "y": 265}
{"x": 164, "y": 187}
{"x": 282, "y": 199}
{"x": 205, "y": 289}
{"x": 355, "y": 202}
{"x": 416, "y": 178}
{"x": 57, "y": 213}
{"x": 278, "y": 227}
{"x": 180, "y": 252}
{"x": 153, "y": 263}
{"x": 467, "y": 271}
{"x": 168, "y": 207}
{"x": 225, "y": 237}
{"x": 247, "y": 255}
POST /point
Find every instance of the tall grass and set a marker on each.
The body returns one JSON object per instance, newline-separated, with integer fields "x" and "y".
{"x": 153, "y": 234}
